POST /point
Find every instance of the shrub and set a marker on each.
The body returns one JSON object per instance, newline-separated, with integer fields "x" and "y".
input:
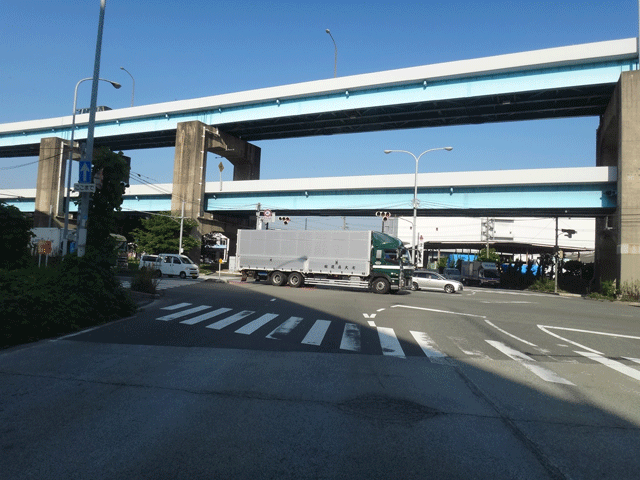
{"x": 144, "y": 281}
{"x": 43, "y": 302}
{"x": 630, "y": 291}
{"x": 543, "y": 285}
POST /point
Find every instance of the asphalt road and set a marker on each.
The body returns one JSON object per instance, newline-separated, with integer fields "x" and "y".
{"x": 253, "y": 381}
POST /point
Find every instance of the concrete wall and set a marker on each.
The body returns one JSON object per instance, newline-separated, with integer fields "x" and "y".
{"x": 618, "y": 144}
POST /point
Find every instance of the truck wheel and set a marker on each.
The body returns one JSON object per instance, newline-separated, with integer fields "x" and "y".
{"x": 183, "y": 275}
{"x": 278, "y": 279}
{"x": 295, "y": 280}
{"x": 415, "y": 286}
{"x": 158, "y": 273}
{"x": 381, "y": 285}
{"x": 449, "y": 289}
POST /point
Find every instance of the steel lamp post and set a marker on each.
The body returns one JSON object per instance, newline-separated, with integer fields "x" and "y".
{"x": 133, "y": 80}
{"x": 65, "y": 232}
{"x": 415, "y": 192}
{"x": 335, "y": 59}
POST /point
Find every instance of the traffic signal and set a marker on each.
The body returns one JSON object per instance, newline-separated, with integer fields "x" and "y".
{"x": 285, "y": 220}
{"x": 385, "y": 215}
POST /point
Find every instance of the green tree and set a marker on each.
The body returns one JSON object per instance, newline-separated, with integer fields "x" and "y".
{"x": 15, "y": 234}
{"x": 492, "y": 256}
{"x": 105, "y": 203}
{"x": 161, "y": 234}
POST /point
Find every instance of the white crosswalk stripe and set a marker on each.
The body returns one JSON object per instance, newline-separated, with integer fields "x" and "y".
{"x": 251, "y": 327}
{"x": 225, "y": 322}
{"x": 429, "y": 347}
{"x": 205, "y": 316}
{"x": 184, "y": 313}
{"x": 285, "y": 328}
{"x": 317, "y": 332}
{"x": 389, "y": 342}
{"x": 351, "y": 338}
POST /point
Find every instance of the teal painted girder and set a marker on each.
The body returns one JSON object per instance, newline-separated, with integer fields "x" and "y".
{"x": 116, "y": 125}
{"x": 514, "y": 199}
{"x": 598, "y": 198}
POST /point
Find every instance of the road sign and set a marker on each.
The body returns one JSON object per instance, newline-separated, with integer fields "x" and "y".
{"x": 220, "y": 167}
{"x": 85, "y": 172}
{"x": 267, "y": 213}
{"x": 84, "y": 187}
{"x": 44, "y": 247}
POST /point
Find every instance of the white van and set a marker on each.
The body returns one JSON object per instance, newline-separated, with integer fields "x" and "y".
{"x": 171, "y": 264}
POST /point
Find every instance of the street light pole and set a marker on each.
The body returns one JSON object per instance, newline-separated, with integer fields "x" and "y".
{"x": 335, "y": 60}
{"x": 83, "y": 217}
{"x": 70, "y": 162}
{"x": 133, "y": 88}
{"x": 415, "y": 193}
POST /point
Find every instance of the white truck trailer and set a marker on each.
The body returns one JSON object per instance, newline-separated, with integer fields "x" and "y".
{"x": 360, "y": 259}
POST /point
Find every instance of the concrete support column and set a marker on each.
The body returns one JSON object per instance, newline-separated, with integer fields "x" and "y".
{"x": 193, "y": 141}
{"x": 618, "y": 144}
{"x": 49, "y": 207}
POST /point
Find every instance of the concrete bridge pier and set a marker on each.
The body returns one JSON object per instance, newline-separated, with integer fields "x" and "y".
{"x": 193, "y": 141}
{"x": 50, "y": 185}
{"x": 618, "y": 144}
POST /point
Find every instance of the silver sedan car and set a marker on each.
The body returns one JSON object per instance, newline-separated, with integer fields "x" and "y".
{"x": 427, "y": 280}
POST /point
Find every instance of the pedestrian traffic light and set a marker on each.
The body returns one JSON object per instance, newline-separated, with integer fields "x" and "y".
{"x": 385, "y": 215}
{"x": 285, "y": 220}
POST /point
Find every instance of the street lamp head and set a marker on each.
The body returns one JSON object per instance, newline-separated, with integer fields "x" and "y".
{"x": 328, "y": 31}
{"x": 115, "y": 84}
{"x": 448, "y": 149}
{"x": 387, "y": 151}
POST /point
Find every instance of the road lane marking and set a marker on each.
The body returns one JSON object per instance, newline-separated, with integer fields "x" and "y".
{"x": 509, "y": 334}
{"x": 593, "y": 332}
{"x": 176, "y": 306}
{"x": 438, "y": 311}
{"x": 317, "y": 332}
{"x": 463, "y": 345}
{"x": 205, "y": 316}
{"x": 184, "y": 313}
{"x": 389, "y": 342}
{"x": 529, "y": 363}
{"x": 285, "y": 328}
{"x": 634, "y": 360}
{"x": 251, "y": 327}
{"x": 351, "y": 338}
{"x": 545, "y": 327}
{"x": 429, "y": 347}
{"x": 367, "y": 315}
{"x": 372, "y": 323}
{"x": 617, "y": 366}
{"x": 225, "y": 322}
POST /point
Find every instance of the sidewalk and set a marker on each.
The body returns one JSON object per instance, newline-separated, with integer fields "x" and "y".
{"x": 224, "y": 276}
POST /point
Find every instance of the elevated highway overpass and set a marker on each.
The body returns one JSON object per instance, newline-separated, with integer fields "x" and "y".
{"x": 595, "y": 79}
{"x": 550, "y": 192}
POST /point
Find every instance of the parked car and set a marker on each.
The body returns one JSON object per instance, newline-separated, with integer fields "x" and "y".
{"x": 427, "y": 280}
{"x": 453, "y": 274}
{"x": 148, "y": 261}
{"x": 171, "y": 264}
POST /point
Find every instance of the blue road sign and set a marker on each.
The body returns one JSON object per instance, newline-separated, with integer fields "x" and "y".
{"x": 85, "y": 172}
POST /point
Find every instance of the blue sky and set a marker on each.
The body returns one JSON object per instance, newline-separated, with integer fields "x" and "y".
{"x": 181, "y": 50}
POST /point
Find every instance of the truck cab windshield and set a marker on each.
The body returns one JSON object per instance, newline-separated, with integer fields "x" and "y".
{"x": 391, "y": 257}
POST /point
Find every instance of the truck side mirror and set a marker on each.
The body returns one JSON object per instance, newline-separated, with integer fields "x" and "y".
{"x": 378, "y": 254}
